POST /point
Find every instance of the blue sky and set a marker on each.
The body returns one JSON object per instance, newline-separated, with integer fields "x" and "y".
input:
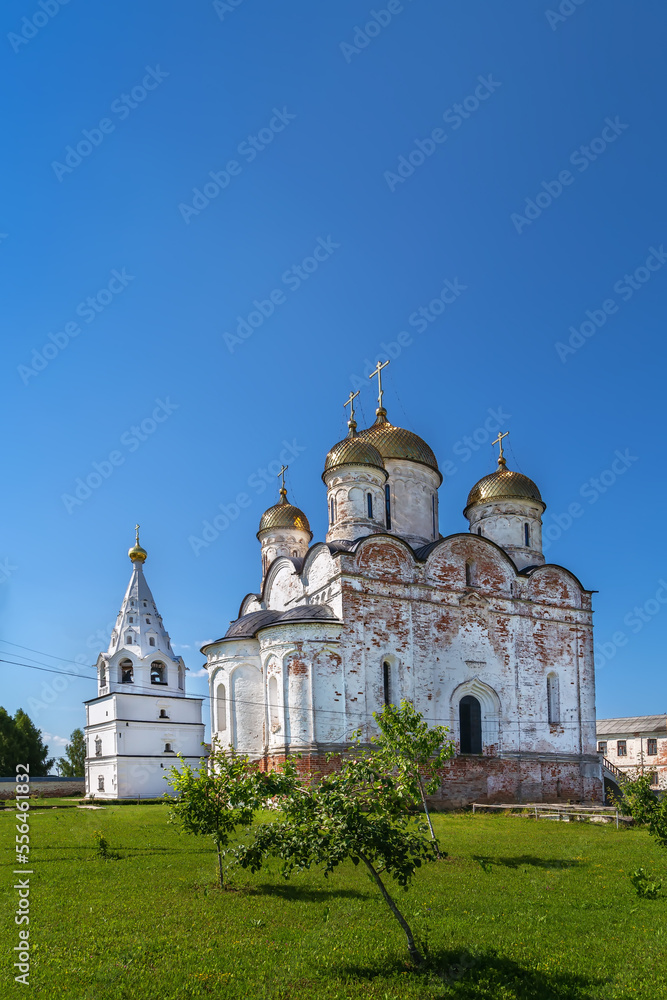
{"x": 170, "y": 171}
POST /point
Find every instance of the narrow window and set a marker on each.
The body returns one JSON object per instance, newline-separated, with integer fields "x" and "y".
{"x": 479, "y": 531}
{"x": 295, "y": 554}
{"x": 622, "y": 748}
{"x": 386, "y": 682}
{"x": 131, "y": 620}
{"x": 163, "y": 713}
{"x": 470, "y": 724}
{"x": 128, "y": 639}
{"x": 470, "y": 574}
{"x": 145, "y": 604}
{"x": 553, "y": 700}
{"x": 148, "y": 621}
{"x": 387, "y": 505}
{"x": 433, "y": 514}
{"x": 602, "y": 746}
{"x": 331, "y": 511}
{"x": 151, "y": 641}
{"x": 369, "y": 504}
{"x": 222, "y": 708}
{"x": 98, "y": 747}
{"x": 100, "y": 783}
{"x": 274, "y": 714}
{"x": 158, "y": 673}
{"x": 526, "y": 535}
{"x": 651, "y": 747}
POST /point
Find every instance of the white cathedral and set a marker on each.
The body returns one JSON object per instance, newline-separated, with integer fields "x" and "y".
{"x": 474, "y": 628}
{"x": 141, "y": 717}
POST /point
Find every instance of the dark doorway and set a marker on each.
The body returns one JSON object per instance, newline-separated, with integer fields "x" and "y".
{"x": 470, "y": 719}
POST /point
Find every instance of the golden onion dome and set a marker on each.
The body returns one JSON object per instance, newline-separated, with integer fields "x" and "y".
{"x": 136, "y": 553}
{"x": 504, "y": 484}
{"x": 396, "y": 442}
{"x": 284, "y": 515}
{"x": 353, "y": 450}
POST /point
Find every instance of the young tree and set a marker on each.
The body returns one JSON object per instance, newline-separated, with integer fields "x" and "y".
{"x": 73, "y": 764}
{"x": 410, "y": 748}
{"x": 222, "y": 793}
{"x": 21, "y": 743}
{"x": 645, "y": 807}
{"x": 356, "y": 813}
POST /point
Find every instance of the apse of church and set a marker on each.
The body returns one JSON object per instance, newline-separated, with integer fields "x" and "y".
{"x": 474, "y": 628}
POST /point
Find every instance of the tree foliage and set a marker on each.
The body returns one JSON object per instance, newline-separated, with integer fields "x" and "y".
{"x": 412, "y": 750}
{"x": 21, "y": 743}
{"x": 357, "y": 813}
{"x": 223, "y": 793}
{"x": 73, "y": 764}
{"x": 645, "y": 807}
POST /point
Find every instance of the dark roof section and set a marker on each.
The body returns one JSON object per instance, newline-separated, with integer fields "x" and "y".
{"x": 247, "y": 626}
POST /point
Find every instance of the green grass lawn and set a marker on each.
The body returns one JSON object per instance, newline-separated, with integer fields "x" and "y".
{"x": 519, "y": 909}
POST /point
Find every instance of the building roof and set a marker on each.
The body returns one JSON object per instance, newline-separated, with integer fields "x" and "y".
{"x": 249, "y": 625}
{"x": 503, "y": 484}
{"x": 632, "y": 724}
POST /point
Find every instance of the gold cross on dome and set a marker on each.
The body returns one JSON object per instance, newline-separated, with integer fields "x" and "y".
{"x": 350, "y": 402}
{"x": 499, "y": 440}
{"x": 136, "y": 532}
{"x": 378, "y": 372}
{"x": 282, "y": 473}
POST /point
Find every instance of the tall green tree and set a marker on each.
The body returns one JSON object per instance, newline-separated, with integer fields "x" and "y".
{"x": 220, "y": 795}
{"x": 357, "y": 813}
{"x": 21, "y": 743}
{"x": 73, "y": 764}
{"x": 412, "y": 750}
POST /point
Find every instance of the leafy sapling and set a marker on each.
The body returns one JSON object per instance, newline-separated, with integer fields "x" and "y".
{"x": 357, "y": 813}
{"x": 222, "y": 794}
{"x": 411, "y": 749}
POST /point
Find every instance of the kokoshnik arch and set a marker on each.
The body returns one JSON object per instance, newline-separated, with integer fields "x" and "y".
{"x": 475, "y": 629}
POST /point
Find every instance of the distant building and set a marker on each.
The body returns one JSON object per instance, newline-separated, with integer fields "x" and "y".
{"x": 141, "y": 717}
{"x": 636, "y": 745}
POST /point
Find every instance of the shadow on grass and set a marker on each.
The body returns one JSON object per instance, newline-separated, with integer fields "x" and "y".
{"x": 470, "y": 975}
{"x": 299, "y": 894}
{"x": 551, "y": 864}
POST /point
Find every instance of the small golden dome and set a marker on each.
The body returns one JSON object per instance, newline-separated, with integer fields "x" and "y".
{"x": 504, "y": 484}
{"x": 136, "y": 553}
{"x": 352, "y": 450}
{"x": 396, "y": 442}
{"x": 284, "y": 515}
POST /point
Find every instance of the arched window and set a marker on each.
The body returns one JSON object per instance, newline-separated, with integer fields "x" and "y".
{"x": 126, "y": 672}
{"x": 553, "y": 699}
{"x": 369, "y": 505}
{"x": 148, "y": 621}
{"x": 128, "y": 639}
{"x": 526, "y": 535}
{"x": 103, "y": 676}
{"x": 163, "y": 713}
{"x": 98, "y": 746}
{"x": 274, "y": 715}
{"x": 471, "y": 574}
{"x": 100, "y": 783}
{"x": 386, "y": 682}
{"x": 387, "y": 505}
{"x": 158, "y": 672}
{"x": 470, "y": 722}
{"x": 131, "y": 620}
{"x": 151, "y": 641}
{"x": 167, "y": 748}
{"x": 221, "y": 702}
{"x": 332, "y": 510}
{"x": 295, "y": 554}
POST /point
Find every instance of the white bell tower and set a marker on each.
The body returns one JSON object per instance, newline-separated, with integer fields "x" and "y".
{"x": 141, "y": 717}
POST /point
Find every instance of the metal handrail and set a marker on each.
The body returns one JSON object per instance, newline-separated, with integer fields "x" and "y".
{"x": 616, "y": 771}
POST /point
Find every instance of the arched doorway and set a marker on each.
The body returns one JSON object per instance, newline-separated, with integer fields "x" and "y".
{"x": 470, "y": 722}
